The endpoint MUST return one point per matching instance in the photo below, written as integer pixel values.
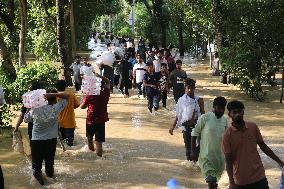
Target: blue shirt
(152, 79)
(45, 120)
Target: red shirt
(97, 107)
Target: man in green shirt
(210, 127)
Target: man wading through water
(97, 116)
(239, 144)
(189, 108)
(176, 80)
(210, 128)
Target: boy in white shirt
(139, 71)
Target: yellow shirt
(67, 115)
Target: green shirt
(211, 159)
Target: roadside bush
(45, 73)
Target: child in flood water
(152, 86)
(45, 132)
(97, 116)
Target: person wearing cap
(176, 80)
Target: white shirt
(87, 70)
(139, 70)
(157, 65)
(216, 64)
(185, 108)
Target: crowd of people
(208, 136)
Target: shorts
(96, 129)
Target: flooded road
(139, 152)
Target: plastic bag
(18, 145)
(34, 99)
(91, 85)
(119, 51)
(108, 58)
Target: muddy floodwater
(139, 152)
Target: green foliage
(142, 21)
(121, 27)
(45, 73)
(7, 110)
(86, 12)
(254, 43)
(41, 38)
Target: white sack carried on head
(95, 54)
(108, 58)
(119, 51)
(34, 99)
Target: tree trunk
(61, 39)
(180, 34)
(216, 16)
(23, 33)
(6, 60)
(72, 28)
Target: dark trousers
(67, 135)
(1, 178)
(262, 184)
(77, 86)
(187, 143)
(116, 80)
(139, 87)
(164, 95)
(153, 101)
(43, 150)
(124, 85)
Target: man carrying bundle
(45, 132)
(97, 115)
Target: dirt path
(146, 156)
